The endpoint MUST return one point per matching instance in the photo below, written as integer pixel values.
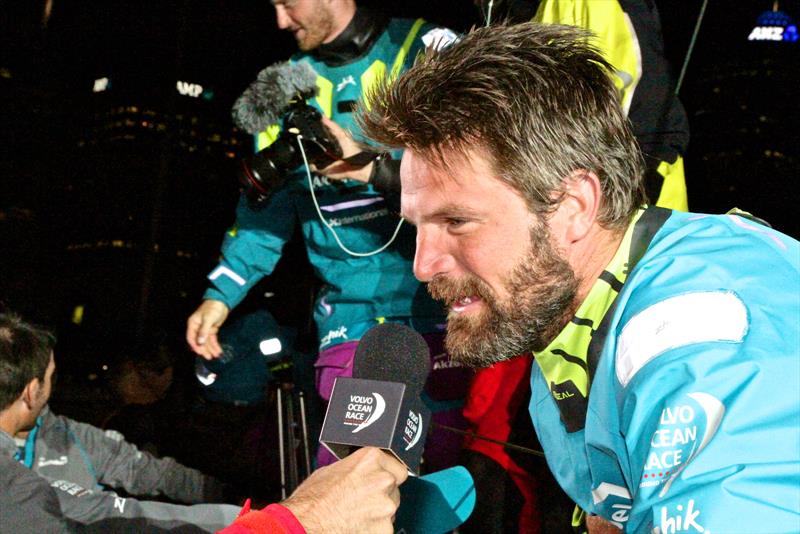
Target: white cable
(329, 225)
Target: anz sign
(774, 26)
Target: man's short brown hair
(536, 99)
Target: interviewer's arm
(355, 495)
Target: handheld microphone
(381, 405)
(270, 96)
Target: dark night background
(114, 203)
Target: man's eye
(456, 223)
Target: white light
(204, 376)
(100, 85)
(270, 346)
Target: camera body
(268, 168)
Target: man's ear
(580, 204)
(31, 393)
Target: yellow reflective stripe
(575, 338)
(578, 518)
(615, 36)
(375, 72)
(673, 193)
(267, 137)
(325, 96)
(401, 55)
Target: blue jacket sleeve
(713, 433)
(253, 246)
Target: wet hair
(25, 352)
(536, 100)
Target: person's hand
(354, 495)
(202, 328)
(341, 170)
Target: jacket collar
(355, 40)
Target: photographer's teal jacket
(358, 291)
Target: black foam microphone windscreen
(380, 406)
(393, 353)
(267, 99)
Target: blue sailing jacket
(671, 402)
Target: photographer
(362, 253)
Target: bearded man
(657, 335)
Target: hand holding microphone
(381, 407)
(357, 494)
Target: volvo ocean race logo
(684, 430)
(363, 410)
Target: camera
(267, 169)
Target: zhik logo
(339, 333)
(681, 521)
(347, 80)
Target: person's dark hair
(536, 100)
(25, 352)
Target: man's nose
(284, 20)
(431, 257)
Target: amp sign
(193, 90)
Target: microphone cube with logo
(376, 413)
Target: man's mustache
(451, 290)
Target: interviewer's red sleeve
(274, 519)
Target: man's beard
(316, 31)
(542, 289)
